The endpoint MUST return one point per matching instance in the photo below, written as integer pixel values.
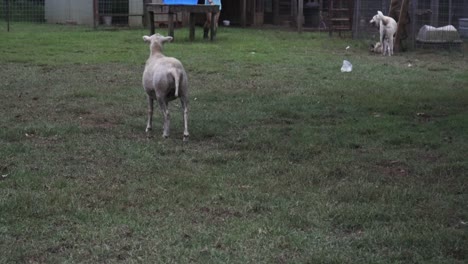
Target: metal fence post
(7, 14)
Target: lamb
(164, 79)
(378, 47)
(387, 29)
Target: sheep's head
(376, 19)
(157, 41)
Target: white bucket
(107, 20)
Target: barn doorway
(113, 12)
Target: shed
(93, 12)
(276, 12)
(69, 11)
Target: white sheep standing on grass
(164, 79)
(387, 29)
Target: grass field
(289, 160)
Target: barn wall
(135, 9)
(69, 11)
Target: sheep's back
(157, 75)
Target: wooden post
(192, 26)
(357, 19)
(401, 24)
(435, 13)
(450, 13)
(254, 13)
(151, 21)
(7, 14)
(95, 13)
(212, 26)
(244, 13)
(414, 7)
(300, 15)
(276, 12)
(171, 24)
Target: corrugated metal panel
(66, 11)
(81, 12)
(136, 13)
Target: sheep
(387, 29)
(378, 47)
(164, 79)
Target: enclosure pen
(289, 159)
(84, 12)
(12, 11)
(424, 22)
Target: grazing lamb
(387, 29)
(164, 79)
(378, 47)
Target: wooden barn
(301, 14)
(274, 12)
(336, 15)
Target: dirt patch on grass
(394, 168)
(98, 120)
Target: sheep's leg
(385, 47)
(184, 103)
(165, 111)
(149, 125)
(382, 37)
(390, 44)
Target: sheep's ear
(167, 39)
(146, 39)
(380, 13)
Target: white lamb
(164, 79)
(387, 29)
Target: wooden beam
(95, 13)
(276, 12)
(356, 18)
(450, 13)
(244, 13)
(254, 13)
(435, 13)
(414, 6)
(300, 15)
(401, 24)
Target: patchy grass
(289, 160)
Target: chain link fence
(83, 12)
(22, 11)
(429, 23)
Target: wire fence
(427, 23)
(22, 11)
(85, 12)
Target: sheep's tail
(176, 82)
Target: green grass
(289, 160)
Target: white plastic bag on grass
(347, 66)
